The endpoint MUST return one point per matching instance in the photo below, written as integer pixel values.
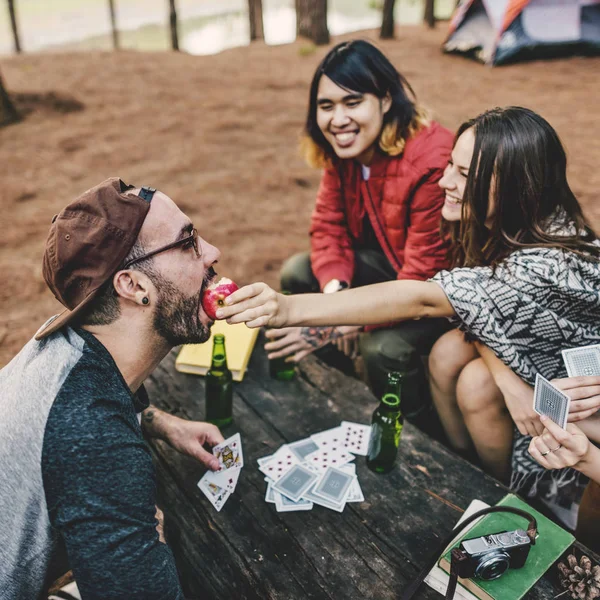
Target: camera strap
(414, 586)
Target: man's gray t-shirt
(78, 485)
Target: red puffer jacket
(403, 201)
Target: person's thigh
(296, 275)
(297, 278)
(400, 349)
(371, 266)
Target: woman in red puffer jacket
(378, 211)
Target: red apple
(214, 296)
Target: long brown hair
(361, 67)
(518, 161)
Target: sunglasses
(190, 241)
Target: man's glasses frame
(190, 239)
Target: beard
(177, 317)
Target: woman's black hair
(358, 66)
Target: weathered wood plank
(248, 550)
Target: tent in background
(500, 31)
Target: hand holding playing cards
(558, 448)
(584, 393)
(189, 437)
(517, 395)
(257, 305)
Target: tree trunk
(387, 22)
(113, 24)
(255, 14)
(311, 20)
(13, 24)
(8, 112)
(429, 16)
(173, 21)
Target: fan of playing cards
(317, 470)
(217, 486)
(548, 399)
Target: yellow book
(239, 342)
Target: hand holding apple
(257, 305)
(214, 296)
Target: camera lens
(492, 565)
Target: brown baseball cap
(88, 240)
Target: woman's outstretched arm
(258, 305)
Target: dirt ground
(219, 135)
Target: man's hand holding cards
(218, 485)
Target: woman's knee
(476, 391)
(296, 275)
(386, 349)
(449, 355)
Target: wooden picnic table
(249, 550)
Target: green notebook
(552, 541)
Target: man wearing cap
(78, 485)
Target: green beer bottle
(386, 427)
(279, 368)
(219, 386)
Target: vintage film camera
(489, 556)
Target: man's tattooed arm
(148, 415)
(155, 422)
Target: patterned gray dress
(536, 303)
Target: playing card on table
(230, 453)
(583, 361)
(270, 494)
(355, 494)
(355, 437)
(303, 447)
(309, 495)
(279, 464)
(334, 485)
(550, 401)
(322, 459)
(285, 504)
(330, 439)
(216, 494)
(348, 468)
(295, 482)
(226, 479)
(261, 461)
